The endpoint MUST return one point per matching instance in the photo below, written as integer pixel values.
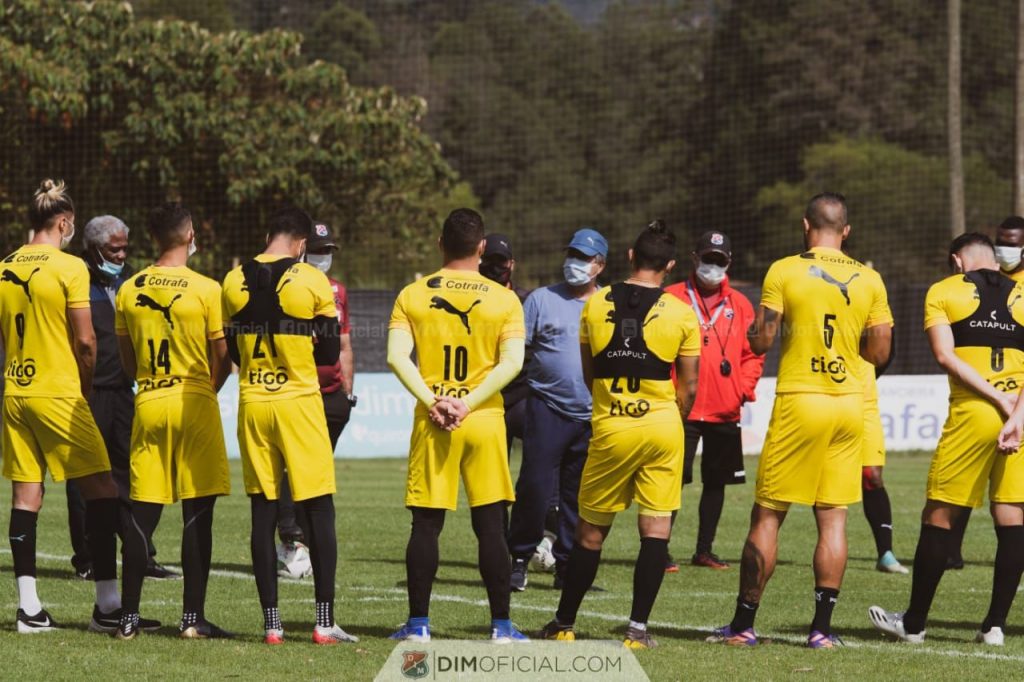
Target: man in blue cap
(557, 428)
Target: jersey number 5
(828, 331)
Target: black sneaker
(204, 629)
(158, 572)
(518, 580)
(41, 622)
(128, 628)
(954, 563)
(84, 573)
(107, 623)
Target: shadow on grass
(444, 563)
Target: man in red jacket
(729, 371)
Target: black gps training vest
(263, 313)
(991, 325)
(626, 354)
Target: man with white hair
(105, 250)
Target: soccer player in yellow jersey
(47, 425)
(282, 323)
(823, 302)
(468, 334)
(170, 331)
(630, 337)
(975, 325)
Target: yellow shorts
(55, 434)
(812, 454)
(477, 451)
(967, 458)
(873, 440)
(286, 434)
(178, 449)
(644, 463)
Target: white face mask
(577, 272)
(1008, 257)
(192, 247)
(321, 262)
(710, 275)
(66, 239)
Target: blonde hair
(50, 200)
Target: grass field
(373, 528)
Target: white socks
(642, 627)
(28, 600)
(107, 596)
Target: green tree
(346, 37)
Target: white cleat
(332, 635)
(891, 623)
(994, 637)
(888, 563)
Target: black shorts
(721, 461)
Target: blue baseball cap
(589, 242)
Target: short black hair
(462, 233)
(167, 224)
(50, 200)
(654, 248)
(827, 211)
(290, 220)
(1013, 222)
(969, 239)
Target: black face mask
(498, 272)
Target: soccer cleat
(204, 629)
(887, 563)
(106, 623)
(670, 565)
(41, 622)
(638, 639)
(413, 630)
(274, 636)
(819, 640)
(891, 623)
(84, 573)
(504, 632)
(955, 563)
(994, 637)
(332, 635)
(517, 580)
(709, 560)
(158, 572)
(726, 635)
(558, 632)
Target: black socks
(264, 553)
(709, 512)
(579, 576)
(196, 554)
(22, 533)
(1006, 576)
(421, 558)
(142, 521)
(743, 617)
(323, 545)
(878, 512)
(101, 524)
(492, 556)
(648, 573)
(929, 564)
(824, 602)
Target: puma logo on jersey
(12, 277)
(144, 301)
(844, 287)
(438, 303)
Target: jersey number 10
(460, 366)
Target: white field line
(399, 594)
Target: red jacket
(719, 398)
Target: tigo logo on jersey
(21, 373)
(270, 379)
(835, 369)
(414, 664)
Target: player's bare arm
(84, 345)
(762, 333)
(127, 352)
(687, 370)
(940, 338)
(347, 359)
(876, 344)
(220, 362)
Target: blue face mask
(577, 272)
(106, 267)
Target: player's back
(826, 300)
(270, 304)
(458, 319)
(633, 351)
(38, 283)
(170, 314)
(985, 310)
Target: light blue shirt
(552, 316)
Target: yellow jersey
(1016, 276)
(826, 299)
(270, 304)
(865, 373)
(38, 283)
(458, 319)
(635, 335)
(986, 313)
(170, 314)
